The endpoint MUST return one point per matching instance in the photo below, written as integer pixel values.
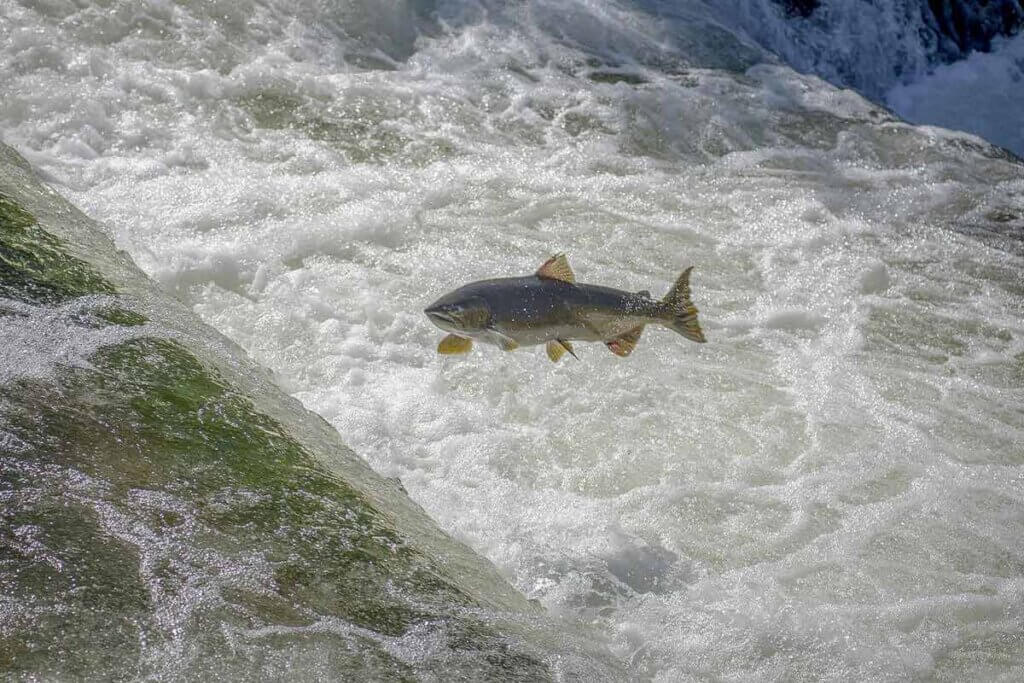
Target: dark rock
(970, 25)
(961, 26)
(799, 8)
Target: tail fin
(684, 313)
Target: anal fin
(624, 345)
(454, 344)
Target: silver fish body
(532, 310)
(549, 307)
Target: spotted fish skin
(550, 307)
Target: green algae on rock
(34, 266)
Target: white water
(831, 487)
(889, 52)
(983, 94)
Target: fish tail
(683, 312)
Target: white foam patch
(37, 341)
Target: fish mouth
(439, 316)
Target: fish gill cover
(156, 523)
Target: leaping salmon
(551, 308)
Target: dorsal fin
(556, 268)
(624, 345)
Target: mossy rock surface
(34, 266)
(173, 455)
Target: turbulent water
(993, 107)
(830, 488)
(920, 58)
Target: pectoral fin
(557, 348)
(624, 345)
(453, 344)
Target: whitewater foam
(36, 341)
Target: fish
(551, 308)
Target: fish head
(460, 312)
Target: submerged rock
(166, 512)
(961, 26)
(972, 24)
(800, 8)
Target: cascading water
(830, 488)
(921, 58)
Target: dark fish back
(526, 300)
(532, 300)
